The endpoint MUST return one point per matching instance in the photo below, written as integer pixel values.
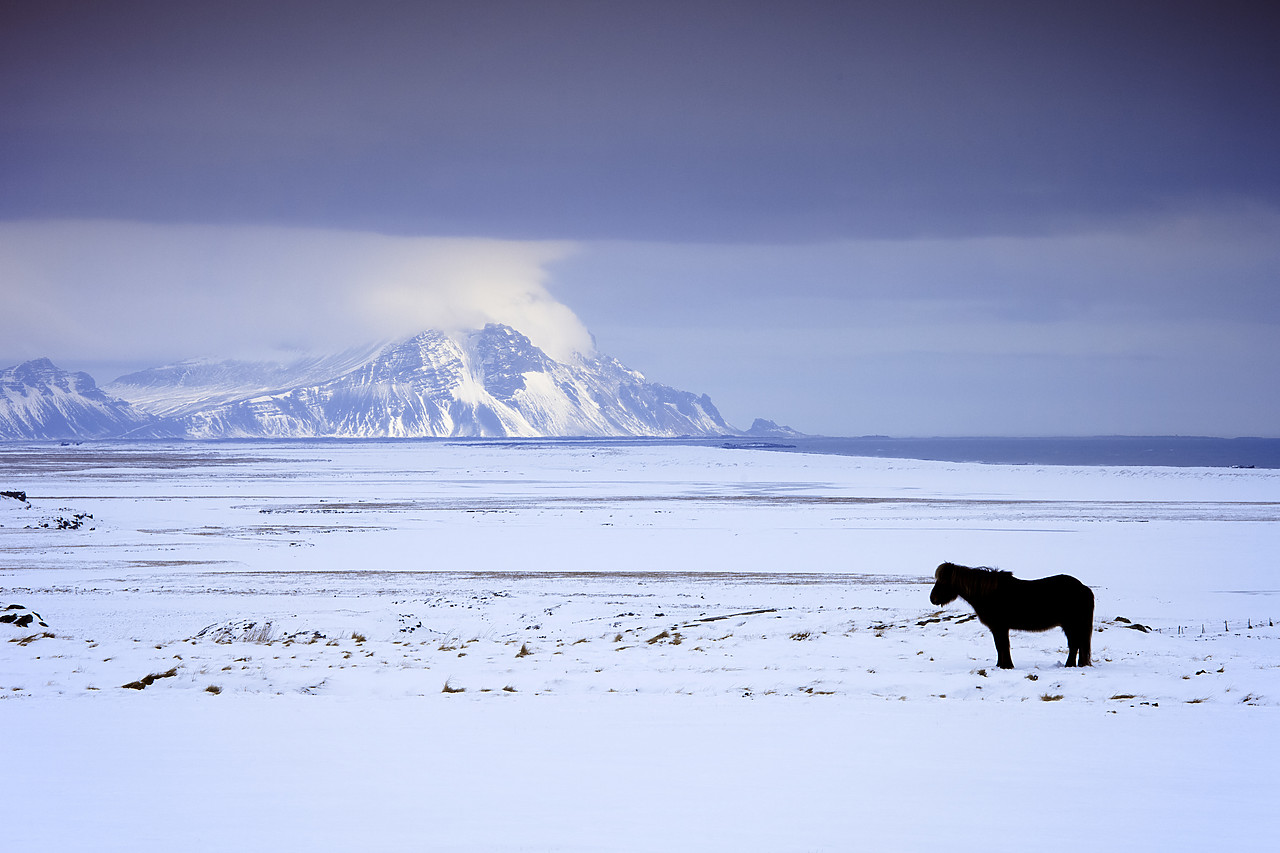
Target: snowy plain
(555, 645)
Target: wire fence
(1228, 627)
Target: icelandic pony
(1002, 602)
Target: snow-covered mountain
(40, 401)
(763, 428)
(489, 382)
(178, 390)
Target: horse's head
(943, 592)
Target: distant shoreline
(1125, 451)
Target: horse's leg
(1073, 644)
(1078, 644)
(1003, 658)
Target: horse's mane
(977, 582)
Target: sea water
(1170, 451)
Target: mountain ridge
(40, 401)
(489, 382)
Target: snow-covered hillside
(177, 390)
(40, 401)
(489, 382)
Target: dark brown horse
(1003, 602)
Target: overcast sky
(913, 218)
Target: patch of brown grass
(25, 641)
(148, 680)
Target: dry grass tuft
(148, 680)
(263, 633)
(24, 641)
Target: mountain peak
(42, 374)
(39, 400)
(491, 381)
(503, 357)
(767, 428)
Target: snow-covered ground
(578, 646)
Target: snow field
(578, 646)
(713, 637)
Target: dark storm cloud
(1219, 265)
(904, 217)
(681, 121)
(1168, 327)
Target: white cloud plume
(89, 291)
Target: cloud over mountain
(138, 293)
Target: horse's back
(1069, 587)
(1037, 605)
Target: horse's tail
(1085, 653)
